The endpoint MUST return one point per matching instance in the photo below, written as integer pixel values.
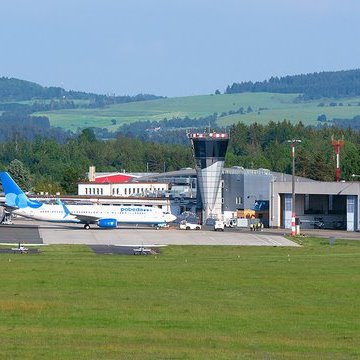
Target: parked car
(189, 226)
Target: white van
(219, 225)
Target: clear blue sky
(174, 47)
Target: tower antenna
(337, 144)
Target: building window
(125, 191)
(238, 200)
(288, 202)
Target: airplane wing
(87, 219)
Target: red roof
(116, 178)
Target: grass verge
(186, 303)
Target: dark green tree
(21, 174)
(71, 177)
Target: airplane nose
(170, 217)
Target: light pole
(293, 226)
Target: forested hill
(329, 84)
(12, 90)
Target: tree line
(326, 84)
(353, 123)
(58, 167)
(15, 125)
(14, 90)
(266, 146)
(167, 131)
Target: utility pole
(293, 226)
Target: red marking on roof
(118, 178)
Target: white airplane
(20, 249)
(105, 216)
(141, 250)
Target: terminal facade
(211, 191)
(328, 205)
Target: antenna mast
(337, 144)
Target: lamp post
(293, 227)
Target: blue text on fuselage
(131, 209)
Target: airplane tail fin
(14, 196)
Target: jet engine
(107, 223)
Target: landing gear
(7, 219)
(86, 226)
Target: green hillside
(265, 107)
(306, 112)
(191, 106)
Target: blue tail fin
(14, 196)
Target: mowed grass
(186, 303)
(266, 107)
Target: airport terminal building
(328, 205)
(210, 191)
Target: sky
(174, 47)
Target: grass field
(186, 303)
(276, 107)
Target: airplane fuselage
(121, 213)
(105, 216)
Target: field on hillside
(307, 113)
(266, 107)
(186, 303)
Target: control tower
(209, 151)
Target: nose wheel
(86, 226)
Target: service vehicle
(184, 225)
(219, 225)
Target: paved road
(60, 234)
(19, 234)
